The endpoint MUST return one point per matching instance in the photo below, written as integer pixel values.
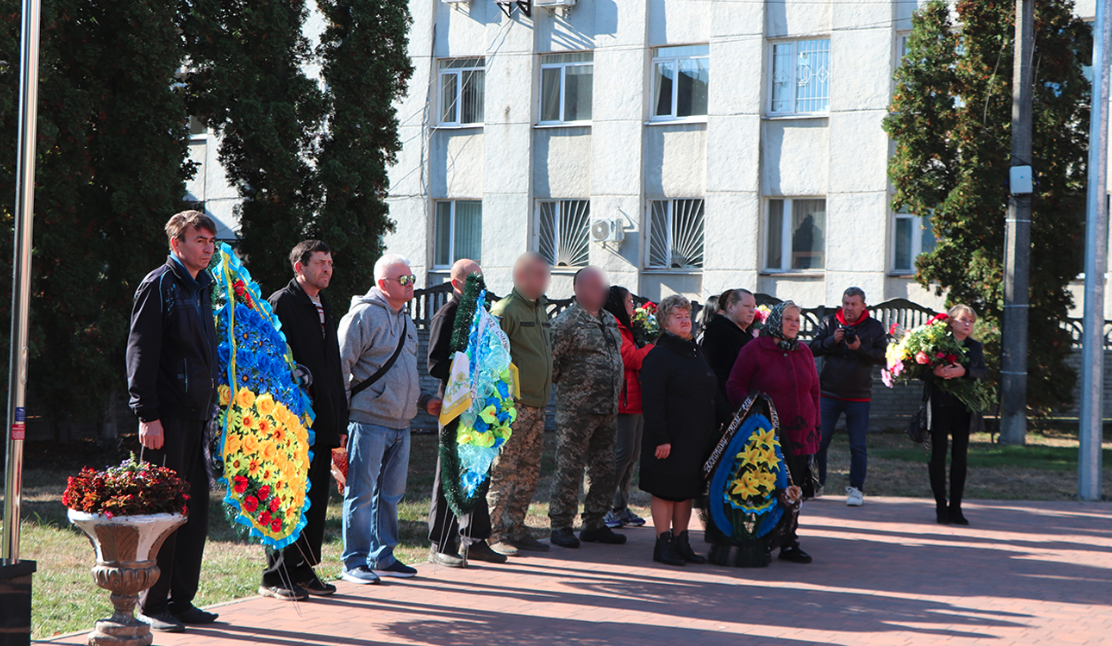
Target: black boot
(956, 517)
(942, 513)
(665, 550)
(683, 547)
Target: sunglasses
(405, 280)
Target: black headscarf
(616, 305)
(774, 327)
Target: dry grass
(65, 598)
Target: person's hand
(839, 334)
(957, 370)
(434, 406)
(150, 434)
(942, 372)
(856, 343)
(663, 451)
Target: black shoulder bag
(381, 372)
(918, 428)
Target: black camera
(851, 334)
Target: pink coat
(792, 382)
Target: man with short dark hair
(172, 369)
(310, 330)
(588, 372)
(851, 343)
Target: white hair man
(378, 360)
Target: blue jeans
(857, 426)
(378, 462)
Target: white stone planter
(126, 549)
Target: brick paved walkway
(1025, 573)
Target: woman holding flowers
(778, 365)
(677, 394)
(951, 417)
(631, 423)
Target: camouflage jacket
(587, 361)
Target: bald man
(454, 540)
(523, 316)
(588, 373)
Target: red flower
(938, 317)
(240, 484)
(940, 355)
(921, 358)
(951, 358)
(274, 503)
(276, 525)
(893, 328)
(264, 493)
(264, 518)
(250, 504)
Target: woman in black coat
(950, 418)
(677, 395)
(725, 336)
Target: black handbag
(917, 428)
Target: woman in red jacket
(778, 365)
(631, 424)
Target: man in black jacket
(310, 331)
(172, 370)
(851, 343)
(448, 533)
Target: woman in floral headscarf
(778, 365)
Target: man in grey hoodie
(378, 358)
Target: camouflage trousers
(514, 474)
(583, 441)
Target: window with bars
(458, 232)
(676, 234)
(911, 235)
(566, 87)
(795, 234)
(681, 79)
(800, 77)
(563, 232)
(461, 91)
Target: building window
(681, 76)
(459, 232)
(901, 46)
(563, 228)
(801, 77)
(795, 234)
(461, 91)
(676, 234)
(566, 87)
(911, 236)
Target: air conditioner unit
(607, 231)
(553, 4)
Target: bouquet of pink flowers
(919, 351)
(761, 317)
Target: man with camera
(850, 343)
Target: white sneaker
(855, 497)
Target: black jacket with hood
(172, 366)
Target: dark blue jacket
(172, 365)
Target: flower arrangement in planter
(127, 512)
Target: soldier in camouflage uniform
(588, 374)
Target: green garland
(450, 471)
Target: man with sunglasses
(378, 361)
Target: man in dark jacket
(851, 343)
(172, 370)
(447, 532)
(310, 331)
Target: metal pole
(1017, 239)
(21, 275)
(1096, 256)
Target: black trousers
(446, 531)
(951, 422)
(179, 560)
(294, 563)
(799, 466)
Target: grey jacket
(369, 334)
